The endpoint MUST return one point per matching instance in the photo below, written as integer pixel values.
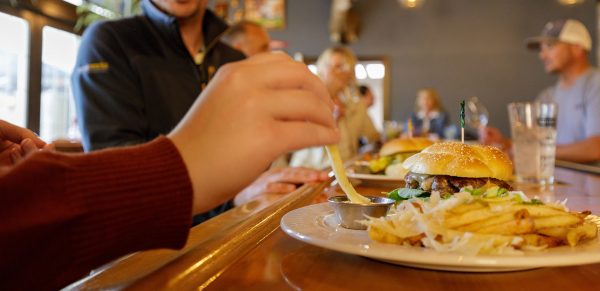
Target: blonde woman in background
(335, 67)
(429, 118)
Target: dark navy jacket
(134, 79)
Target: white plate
(350, 172)
(316, 225)
(369, 177)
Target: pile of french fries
(478, 225)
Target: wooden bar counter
(275, 261)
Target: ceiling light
(411, 4)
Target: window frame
(53, 13)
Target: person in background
(135, 78)
(335, 67)
(64, 215)
(367, 95)
(564, 47)
(248, 37)
(429, 117)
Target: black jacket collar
(213, 27)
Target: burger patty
(448, 184)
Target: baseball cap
(565, 30)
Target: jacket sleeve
(108, 97)
(63, 215)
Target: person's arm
(492, 136)
(63, 215)
(585, 151)
(110, 105)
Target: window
(371, 74)
(14, 63)
(57, 112)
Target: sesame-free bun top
(461, 160)
(404, 145)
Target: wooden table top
(244, 249)
(281, 262)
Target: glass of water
(533, 130)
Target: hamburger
(450, 166)
(394, 152)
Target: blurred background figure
(248, 37)
(335, 67)
(429, 118)
(564, 47)
(366, 95)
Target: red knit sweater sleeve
(63, 215)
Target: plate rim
(429, 258)
(370, 177)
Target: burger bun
(404, 145)
(461, 160)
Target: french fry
(453, 221)
(537, 240)
(474, 227)
(564, 220)
(515, 226)
(557, 232)
(539, 210)
(380, 235)
(582, 232)
(463, 208)
(487, 225)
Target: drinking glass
(476, 115)
(533, 130)
(391, 129)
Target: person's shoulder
(115, 27)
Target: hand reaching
(275, 182)
(16, 143)
(252, 112)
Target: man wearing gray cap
(564, 46)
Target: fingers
(299, 105)
(6, 154)
(17, 134)
(49, 147)
(285, 73)
(280, 188)
(15, 155)
(296, 175)
(269, 57)
(298, 135)
(28, 147)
